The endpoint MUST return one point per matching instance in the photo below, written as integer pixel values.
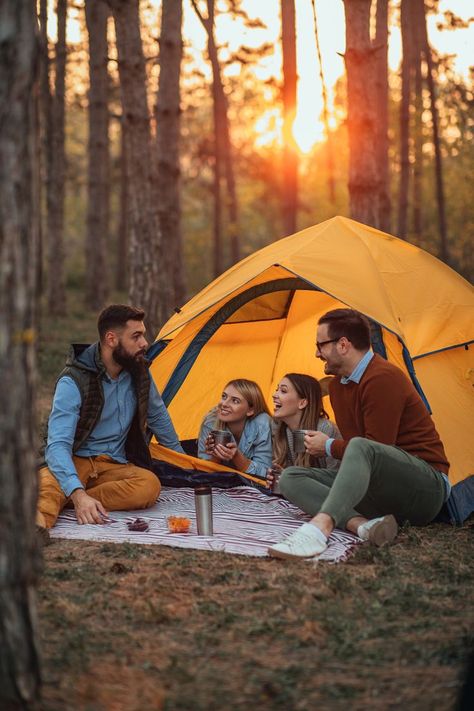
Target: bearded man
(105, 402)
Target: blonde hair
(307, 388)
(251, 392)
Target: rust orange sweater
(385, 407)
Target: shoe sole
(383, 532)
(289, 556)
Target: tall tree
(223, 159)
(46, 131)
(381, 96)
(364, 94)
(427, 53)
(98, 155)
(148, 281)
(329, 142)
(55, 199)
(290, 152)
(417, 190)
(121, 271)
(168, 114)
(406, 20)
(19, 226)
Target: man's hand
(88, 510)
(315, 443)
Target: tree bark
(223, 160)
(361, 118)
(56, 277)
(407, 64)
(381, 90)
(121, 272)
(443, 251)
(329, 142)
(148, 282)
(417, 141)
(290, 153)
(46, 136)
(96, 291)
(168, 114)
(19, 228)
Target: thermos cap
(202, 490)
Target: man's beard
(132, 363)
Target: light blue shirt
(110, 433)
(255, 443)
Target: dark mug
(298, 441)
(221, 436)
(276, 471)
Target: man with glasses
(393, 465)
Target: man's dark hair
(116, 316)
(349, 323)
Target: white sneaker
(306, 542)
(379, 531)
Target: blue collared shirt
(110, 433)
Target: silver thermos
(203, 503)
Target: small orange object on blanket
(178, 524)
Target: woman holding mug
(298, 405)
(243, 413)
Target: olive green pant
(373, 480)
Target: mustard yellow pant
(116, 486)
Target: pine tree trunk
(46, 131)
(290, 154)
(407, 63)
(19, 228)
(329, 142)
(121, 271)
(223, 161)
(381, 87)
(443, 251)
(168, 114)
(98, 154)
(418, 147)
(361, 116)
(148, 281)
(56, 277)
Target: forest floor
(131, 627)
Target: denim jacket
(255, 443)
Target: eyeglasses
(324, 343)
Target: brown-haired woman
(298, 405)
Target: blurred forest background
(175, 138)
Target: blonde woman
(298, 405)
(243, 412)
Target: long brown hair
(307, 388)
(252, 393)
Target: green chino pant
(373, 480)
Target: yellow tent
(258, 321)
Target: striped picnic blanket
(245, 522)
